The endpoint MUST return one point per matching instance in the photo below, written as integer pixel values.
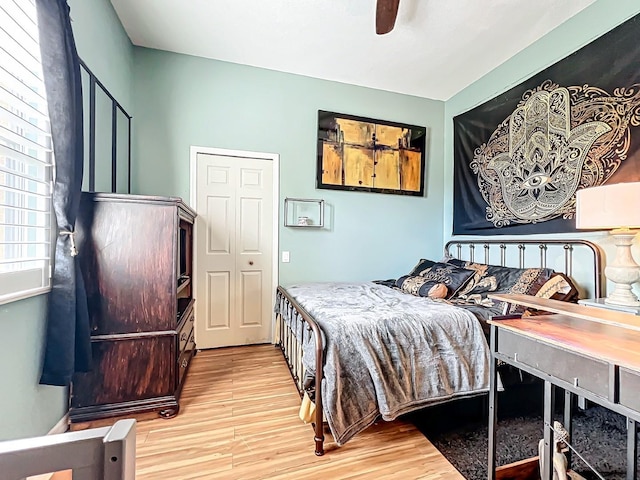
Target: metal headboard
(469, 250)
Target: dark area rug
(459, 431)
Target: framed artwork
(363, 154)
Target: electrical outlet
(285, 257)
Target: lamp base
(622, 295)
(623, 271)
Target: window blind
(26, 156)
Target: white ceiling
(438, 47)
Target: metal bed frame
(465, 249)
(568, 246)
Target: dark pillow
(558, 287)
(498, 279)
(422, 266)
(452, 276)
(420, 286)
(479, 283)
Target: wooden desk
(586, 351)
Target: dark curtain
(68, 347)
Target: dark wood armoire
(136, 257)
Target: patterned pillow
(498, 279)
(452, 276)
(558, 287)
(421, 287)
(422, 266)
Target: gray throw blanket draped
(388, 353)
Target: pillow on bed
(558, 287)
(452, 276)
(421, 287)
(422, 266)
(498, 279)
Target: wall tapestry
(520, 157)
(357, 153)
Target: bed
(362, 351)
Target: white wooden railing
(107, 453)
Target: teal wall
(182, 101)
(27, 408)
(576, 32)
(30, 409)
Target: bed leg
(319, 438)
(318, 426)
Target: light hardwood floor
(238, 420)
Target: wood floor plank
(239, 420)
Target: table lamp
(614, 207)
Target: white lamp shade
(609, 206)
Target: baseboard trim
(61, 427)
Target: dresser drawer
(185, 357)
(584, 372)
(146, 375)
(184, 332)
(629, 388)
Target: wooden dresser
(135, 254)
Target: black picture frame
(369, 155)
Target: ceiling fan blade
(386, 13)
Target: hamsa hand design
(540, 172)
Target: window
(26, 157)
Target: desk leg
(569, 406)
(493, 405)
(632, 449)
(549, 400)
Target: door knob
(250, 262)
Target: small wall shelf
(303, 213)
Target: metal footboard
(290, 342)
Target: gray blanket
(388, 353)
